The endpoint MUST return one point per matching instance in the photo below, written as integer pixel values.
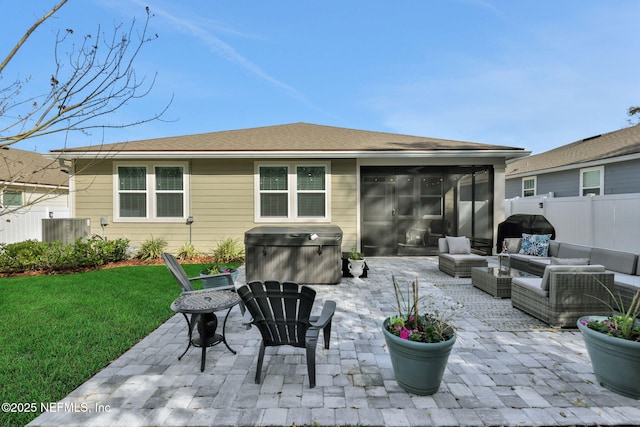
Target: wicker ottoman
(459, 265)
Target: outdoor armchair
(185, 281)
(282, 313)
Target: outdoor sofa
(455, 257)
(623, 267)
(564, 294)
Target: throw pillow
(513, 244)
(569, 261)
(458, 245)
(535, 244)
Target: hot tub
(303, 254)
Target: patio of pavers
(506, 369)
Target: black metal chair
(210, 320)
(282, 313)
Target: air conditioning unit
(65, 230)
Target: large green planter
(615, 361)
(418, 367)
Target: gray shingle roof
(27, 167)
(291, 137)
(613, 144)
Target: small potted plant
(613, 344)
(419, 344)
(356, 263)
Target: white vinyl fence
(26, 224)
(610, 221)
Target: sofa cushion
(570, 250)
(535, 244)
(463, 258)
(458, 245)
(569, 269)
(570, 261)
(531, 283)
(554, 246)
(443, 248)
(623, 279)
(622, 262)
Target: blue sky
(534, 74)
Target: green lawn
(58, 331)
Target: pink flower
(405, 334)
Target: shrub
(32, 255)
(21, 256)
(188, 251)
(152, 248)
(228, 250)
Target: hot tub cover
(311, 235)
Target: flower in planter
(409, 324)
(622, 322)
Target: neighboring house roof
(600, 148)
(300, 138)
(22, 167)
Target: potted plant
(613, 344)
(419, 344)
(356, 263)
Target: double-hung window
(592, 181)
(529, 186)
(292, 192)
(150, 192)
(169, 191)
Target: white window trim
(535, 185)
(292, 207)
(151, 192)
(600, 185)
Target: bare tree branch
(93, 76)
(30, 31)
(91, 80)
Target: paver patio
(506, 369)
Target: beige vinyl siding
(344, 199)
(93, 191)
(221, 200)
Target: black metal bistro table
(203, 304)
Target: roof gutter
(588, 164)
(508, 154)
(33, 185)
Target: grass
(58, 331)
